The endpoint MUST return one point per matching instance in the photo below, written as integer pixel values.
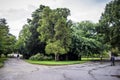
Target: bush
(115, 51)
(3, 56)
(37, 57)
(47, 58)
(40, 57)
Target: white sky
(17, 11)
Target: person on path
(17, 56)
(112, 60)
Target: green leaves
(29, 42)
(55, 48)
(49, 31)
(84, 39)
(55, 31)
(7, 40)
(110, 23)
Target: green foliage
(40, 57)
(55, 31)
(28, 42)
(55, 48)
(85, 40)
(7, 40)
(37, 57)
(23, 38)
(115, 51)
(110, 24)
(50, 32)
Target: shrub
(115, 51)
(40, 57)
(37, 57)
(47, 57)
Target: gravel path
(19, 70)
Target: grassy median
(58, 63)
(54, 63)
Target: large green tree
(110, 24)
(7, 40)
(55, 31)
(33, 44)
(21, 42)
(84, 39)
(9, 44)
(29, 43)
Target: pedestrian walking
(17, 56)
(112, 60)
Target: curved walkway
(19, 70)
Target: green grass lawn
(92, 59)
(2, 61)
(54, 63)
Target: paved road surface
(19, 70)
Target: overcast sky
(17, 11)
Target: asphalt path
(20, 70)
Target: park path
(20, 70)
(15, 68)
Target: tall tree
(29, 43)
(9, 44)
(7, 40)
(3, 34)
(110, 24)
(34, 44)
(21, 42)
(55, 31)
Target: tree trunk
(56, 57)
(80, 57)
(66, 57)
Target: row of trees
(7, 40)
(49, 32)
